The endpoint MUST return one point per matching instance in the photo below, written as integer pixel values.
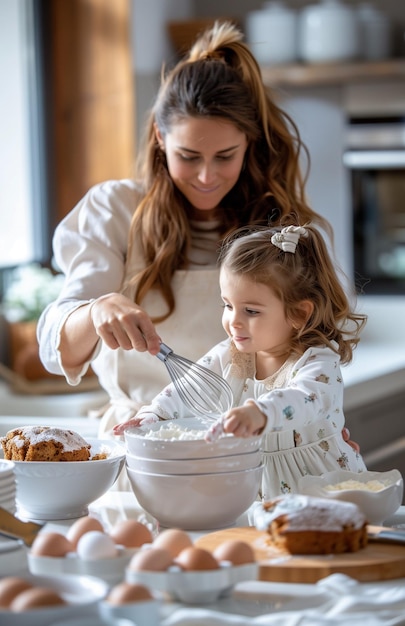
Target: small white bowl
(138, 444)
(375, 505)
(63, 490)
(229, 463)
(82, 595)
(196, 501)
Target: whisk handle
(164, 352)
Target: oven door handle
(374, 159)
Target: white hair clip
(288, 238)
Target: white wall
(152, 47)
(151, 42)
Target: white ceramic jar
(374, 33)
(328, 31)
(271, 33)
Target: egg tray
(189, 587)
(82, 596)
(110, 570)
(196, 587)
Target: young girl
(289, 326)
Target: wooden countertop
(319, 74)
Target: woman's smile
(204, 157)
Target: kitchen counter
(261, 602)
(378, 366)
(49, 405)
(378, 370)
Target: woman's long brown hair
(219, 78)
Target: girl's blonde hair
(219, 78)
(306, 275)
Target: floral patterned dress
(303, 402)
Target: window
(23, 212)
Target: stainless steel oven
(375, 158)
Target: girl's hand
(244, 421)
(119, 429)
(121, 323)
(346, 437)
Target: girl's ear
(307, 307)
(159, 137)
(304, 311)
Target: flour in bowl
(172, 432)
(370, 485)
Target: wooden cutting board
(378, 561)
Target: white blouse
(90, 248)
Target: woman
(140, 258)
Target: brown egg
(51, 544)
(237, 552)
(124, 593)
(82, 526)
(10, 587)
(151, 559)
(34, 598)
(173, 540)
(193, 559)
(131, 534)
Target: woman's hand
(114, 318)
(121, 323)
(244, 421)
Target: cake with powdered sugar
(44, 443)
(300, 524)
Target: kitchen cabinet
(90, 96)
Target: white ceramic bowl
(231, 463)
(196, 501)
(81, 593)
(140, 445)
(376, 505)
(50, 491)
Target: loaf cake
(44, 443)
(299, 524)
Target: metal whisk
(202, 391)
